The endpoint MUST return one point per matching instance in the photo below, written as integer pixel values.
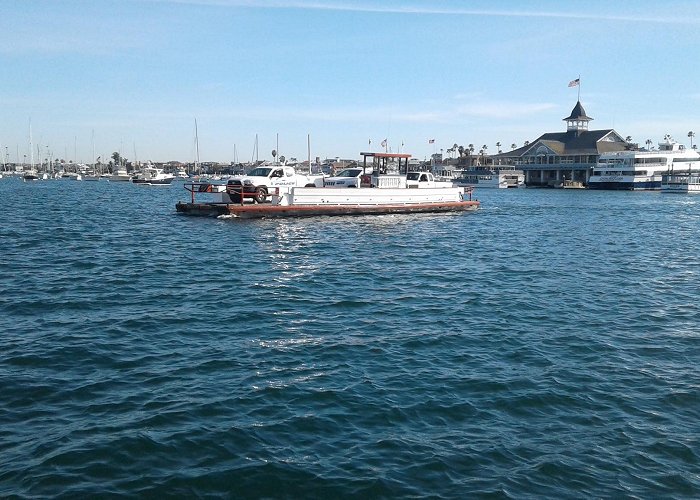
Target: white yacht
(642, 170)
(152, 176)
(120, 175)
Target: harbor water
(547, 345)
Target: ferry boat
(381, 192)
(642, 170)
(507, 177)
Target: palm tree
(648, 143)
(498, 146)
(527, 143)
(691, 134)
(513, 146)
(628, 138)
(483, 154)
(461, 151)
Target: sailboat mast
(308, 149)
(31, 147)
(196, 147)
(254, 157)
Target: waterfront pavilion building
(570, 155)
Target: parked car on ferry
(348, 178)
(424, 180)
(261, 182)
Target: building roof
(572, 142)
(578, 113)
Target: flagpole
(579, 89)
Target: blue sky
(139, 72)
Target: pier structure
(555, 157)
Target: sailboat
(197, 168)
(31, 174)
(92, 175)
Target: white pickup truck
(261, 182)
(424, 180)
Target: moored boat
(680, 182)
(380, 192)
(569, 184)
(152, 176)
(642, 170)
(120, 174)
(497, 177)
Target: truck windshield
(350, 172)
(260, 172)
(412, 176)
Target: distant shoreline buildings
(549, 160)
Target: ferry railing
(468, 191)
(200, 187)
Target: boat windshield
(349, 172)
(260, 172)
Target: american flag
(384, 143)
(574, 83)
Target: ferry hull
(258, 211)
(626, 186)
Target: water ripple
(545, 346)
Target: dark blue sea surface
(546, 346)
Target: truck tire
(310, 186)
(260, 194)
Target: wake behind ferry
(642, 170)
